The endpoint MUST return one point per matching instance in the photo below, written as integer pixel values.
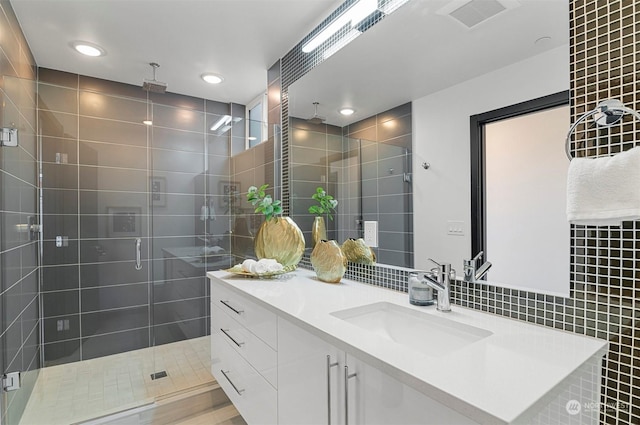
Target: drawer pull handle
(231, 382)
(329, 366)
(226, 332)
(226, 304)
(347, 376)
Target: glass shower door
(190, 229)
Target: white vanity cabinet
(310, 373)
(243, 355)
(285, 351)
(315, 380)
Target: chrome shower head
(315, 119)
(154, 85)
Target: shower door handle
(138, 254)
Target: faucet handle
(477, 257)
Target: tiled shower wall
(109, 179)
(605, 261)
(19, 271)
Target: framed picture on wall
(230, 191)
(158, 189)
(124, 221)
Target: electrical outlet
(371, 233)
(455, 228)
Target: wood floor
(220, 415)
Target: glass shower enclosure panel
(190, 224)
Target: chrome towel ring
(608, 113)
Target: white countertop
(495, 379)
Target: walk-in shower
(113, 308)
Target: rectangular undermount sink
(430, 334)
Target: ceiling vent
(473, 12)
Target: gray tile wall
(100, 162)
(19, 268)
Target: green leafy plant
(327, 203)
(264, 203)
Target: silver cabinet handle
(346, 393)
(329, 366)
(226, 332)
(138, 256)
(226, 304)
(231, 382)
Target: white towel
(604, 191)
(204, 213)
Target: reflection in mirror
(478, 69)
(366, 166)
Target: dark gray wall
(19, 326)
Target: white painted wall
(441, 137)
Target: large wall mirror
(442, 71)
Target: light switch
(455, 228)
(371, 233)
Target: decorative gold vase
(281, 239)
(328, 261)
(356, 251)
(318, 230)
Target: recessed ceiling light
(88, 49)
(542, 40)
(212, 78)
(347, 111)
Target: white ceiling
(411, 53)
(417, 51)
(239, 39)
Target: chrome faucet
(444, 274)
(471, 274)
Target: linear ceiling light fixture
(353, 15)
(224, 120)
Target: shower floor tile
(75, 392)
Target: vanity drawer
(255, 351)
(255, 318)
(251, 394)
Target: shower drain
(158, 375)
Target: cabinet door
(377, 398)
(309, 385)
